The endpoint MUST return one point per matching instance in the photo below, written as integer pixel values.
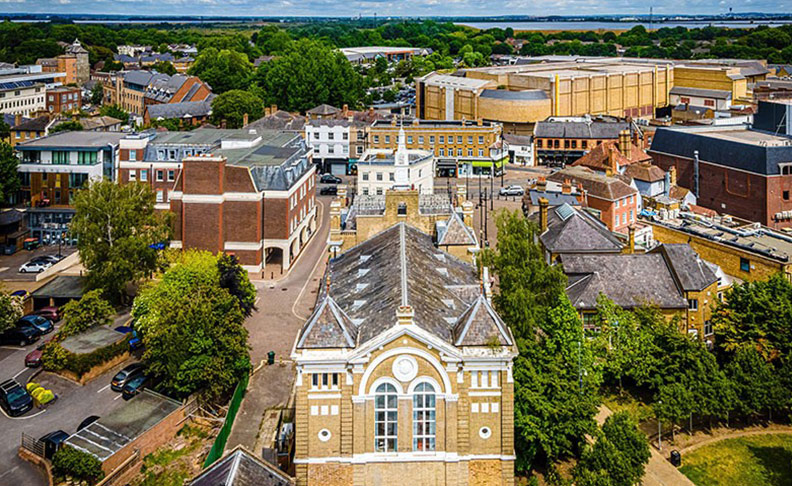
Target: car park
(34, 267)
(41, 324)
(53, 442)
(125, 375)
(328, 191)
(330, 179)
(511, 191)
(51, 312)
(88, 421)
(135, 386)
(14, 399)
(21, 336)
(33, 358)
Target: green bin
(271, 357)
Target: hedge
(56, 358)
(69, 461)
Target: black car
(40, 323)
(14, 399)
(328, 191)
(52, 442)
(20, 336)
(330, 179)
(124, 376)
(135, 386)
(88, 421)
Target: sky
(384, 8)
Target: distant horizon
(407, 9)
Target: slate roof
(97, 122)
(571, 230)
(400, 266)
(692, 273)
(280, 120)
(187, 109)
(645, 171)
(328, 327)
(456, 232)
(323, 109)
(241, 468)
(573, 129)
(630, 281)
(718, 94)
(517, 139)
(597, 185)
(139, 78)
(554, 198)
(33, 124)
(480, 324)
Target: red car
(51, 313)
(33, 359)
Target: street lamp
(659, 430)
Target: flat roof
(446, 80)
(92, 339)
(379, 50)
(741, 134)
(80, 139)
(112, 432)
(259, 155)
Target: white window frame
(424, 417)
(386, 414)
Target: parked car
(42, 324)
(52, 313)
(33, 358)
(88, 421)
(53, 259)
(14, 399)
(53, 442)
(135, 386)
(330, 179)
(328, 191)
(511, 191)
(34, 267)
(21, 336)
(124, 376)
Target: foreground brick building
(404, 371)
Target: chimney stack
(631, 239)
(543, 204)
(245, 119)
(566, 188)
(541, 184)
(17, 119)
(405, 314)
(273, 109)
(613, 163)
(672, 174)
(345, 110)
(625, 145)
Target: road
(74, 404)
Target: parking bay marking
(103, 388)
(22, 418)
(23, 370)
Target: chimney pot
(543, 204)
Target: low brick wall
(96, 370)
(39, 462)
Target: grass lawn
(758, 460)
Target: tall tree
(97, 94)
(193, 329)
(116, 227)
(9, 177)
(10, 310)
(233, 105)
(757, 386)
(224, 70)
(617, 458)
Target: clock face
(405, 368)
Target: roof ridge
(403, 261)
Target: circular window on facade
(324, 435)
(485, 432)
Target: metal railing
(33, 445)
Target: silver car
(511, 191)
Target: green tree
(9, 177)
(5, 131)
(116, 226)
(529, 287)
(80, 315)
(231, 107)
(193, 329)
(10, 310)
(114, 111)
(67, 126)
(97, 94)
(164, 67)
(308, 75)
(757, 314)
(235, 279)
(617, 458)
(224, 70)
(757, 386)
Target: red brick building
(243, 192)
(64, 99)
(614, 197)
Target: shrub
(80, 315)
(69, 461)
(56, 358)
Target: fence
(33, 445)
(220, 441)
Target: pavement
(283, 306)
(73, 405)
(659, 472)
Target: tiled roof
(33, 125)
(599, 157)
(692, 273)
(328, 327)
(645, 171)
(597, 185)
(480, 324)
(179, 110)
(571, 230)
(280, 120)
(575, 129)
(400, 266)
(323, 109)
(241, 468)
(456, 232)
(630, 281)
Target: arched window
(424, 420)
(386, 410)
